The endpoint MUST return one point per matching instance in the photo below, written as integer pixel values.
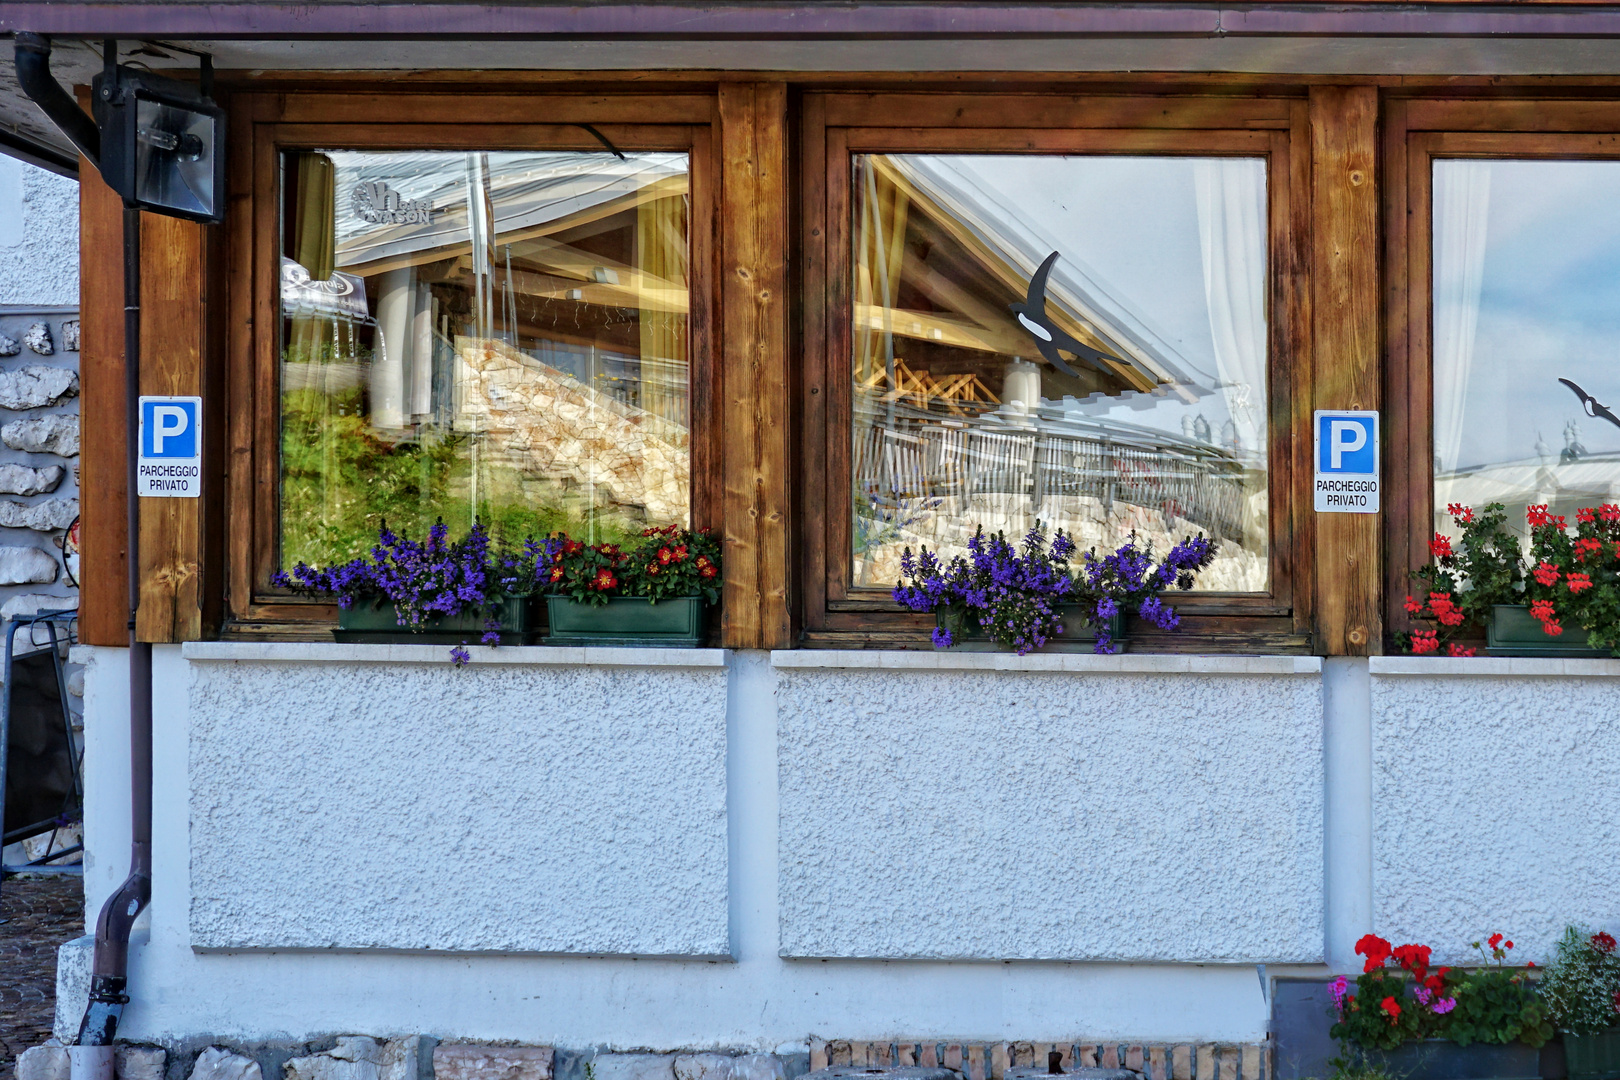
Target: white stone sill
(1493, 666)
(1073, 663)
(482, 655)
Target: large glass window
(1526, 296)
(1076, 339)
(499, 336)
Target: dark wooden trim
(103, 565)
(1344, 133)
(1212, 125)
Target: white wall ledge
(1494, 666)
(482, 655)
(1073, 663)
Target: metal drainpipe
(92, 1056)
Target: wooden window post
(1345, 295)
(754, 374)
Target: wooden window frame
(1416, 131)
(837, 125)
(264, 125)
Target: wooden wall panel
(173, 328)
(1345, 304)
(755, 375)
(103, 600)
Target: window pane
(1133, 399)
(490, 336)
(1526, 293)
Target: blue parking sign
(170, 464)
(1347, 471)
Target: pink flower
(1445, 1005)
(1340, 987)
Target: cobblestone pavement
(36, 915)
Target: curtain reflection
(496, 336)
(960, 421)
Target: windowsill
(1494, 666)
(482, 655)
(1069, 663)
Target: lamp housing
(162, 144)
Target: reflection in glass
(1526, 291)
(961, 421)
(489, 336)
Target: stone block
(24, 480)
(72, 985)
(893, 1072)
(48, 1062)
(633, 1067)
(467, 1061)
(38, 338)
(57, 433)
(355, 1057)
(703, 1067)
(216, 1063)
(1206, 1063)
(409, 1058)
(27, 566)
(47, 516)
(1030, 1072)
(29, 603)
(1181, 1063)
(139, 1062)
(36, 386)
(9, 346)
(70, 335)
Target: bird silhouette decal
(1049, 337)
(1592, 405)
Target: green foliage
(1582, 987)
(660, 563)
(1498, 1005)
(1353, 1065)
(340, 480)
(1382, 1013)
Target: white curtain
(1232, 235)
(1462, 202)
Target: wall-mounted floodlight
(162, 143)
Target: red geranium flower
(1546, 573)
(1375, 949)
(1455, 649)
(1578, 582)
(1603, 941)
(1537, 516)
(1444, 609)
(1392, 1007)
(1585, 516)
(1412, 606)
(1424, 642)
(1440, 546)
(1587, 546)
(1542, 611)
(1494, 940)
(1609, 512)
(1413, 958)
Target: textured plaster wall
(759, 1000)
(1494, 806)
(497, 808)
(39, 236)
(995, 815)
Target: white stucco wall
(39, 236)
(1077, 811)
(1493, 802)
(503, 807)
(757, 999)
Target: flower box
(963, 623)
(1593, 1057)
(627, 620)
(373, 622)
(1442, 1059)
(1510, 631)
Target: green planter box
(1442, 1059)
(964, 626)
(1510, 631)
(1593, 1057)
(627, 620)
(373, 622)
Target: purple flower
(460, 656)
(1340, 987)
(943, 638)
(1444, 1005)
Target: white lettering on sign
(170, 461)
(1347, 465)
